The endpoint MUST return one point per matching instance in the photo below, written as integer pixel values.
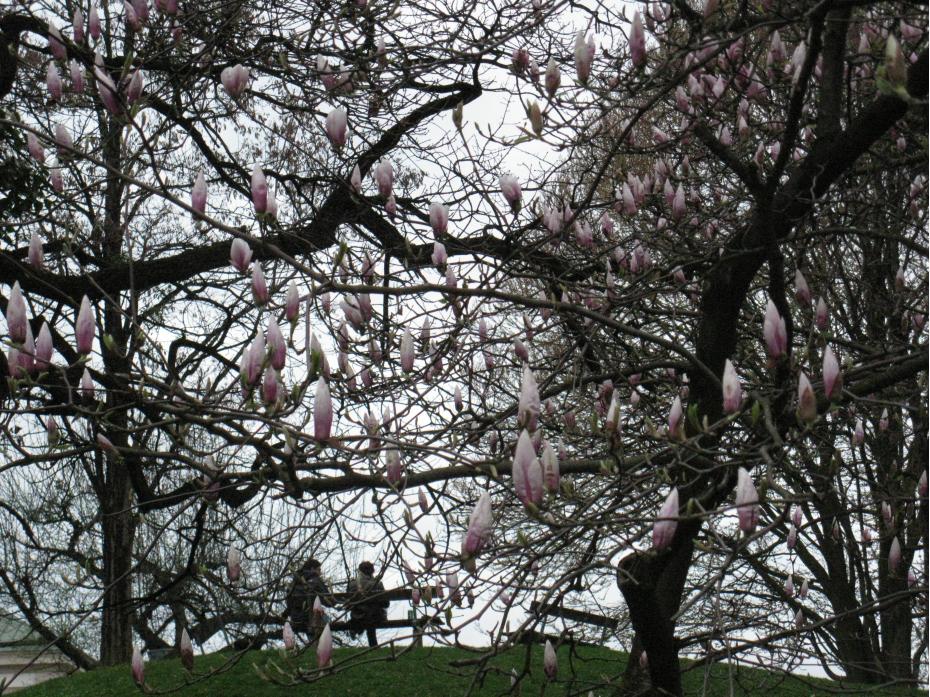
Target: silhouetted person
(308, 585)
(368, 605)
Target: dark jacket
(304, 590)
(368, 606)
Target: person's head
(367, 568)
(311, 566)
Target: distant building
(21, 651)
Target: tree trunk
(119, 530)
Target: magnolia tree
(584, 306)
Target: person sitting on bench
(368, 605)
(308, 585)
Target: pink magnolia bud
(43, 349)
(521, 351)
(774, 332)
(390, 206)
(895, 65)
(259, 190)
(240, 255)
(107, 90)
(85, 328)
(802, 593)
(792, 538)
(637, 41)
(384, 177)
(676, 420)
(510, 187)
(199, 194)
(553, 78)
(746, 502)
(77, 26)
(235, 79)
(807, 402)
(796, 516)
(894, 555)
(336, 128)
(801, 290)
(17, 319)
(168, 7)
(422, 501)
(137, 667)
(527, 472)
(355, 180)
(27, 352)
(584, 236)
(550, 661)
(520, 61)
(87, 385)
(789, 586)
(584, 56)
(479, 527)
(53, 82)
(629, 203)
(528, 406)
(911, 578)
(663, 530)
(742, 128)
(287, 634)
(644, 660)
(821, 318)
(439, 256)
(832, 377)
(883, 421)
(35, 148)
(77, 76)
(406, 351)
(271, 209)
(132, 19)
(317, 607)
(866, 536)
(732, 389)
(457, 399)
(438, 218)
(292, 303)
(259, 287)
(63, 142)
(922, 485)
(141, 8)
(394, 468)
(135, 87)
(233, 564)
(322, 412)
(612, 424)
(887, 514)
(55, 43)
(797, 61)
(858, 434)
(550, 467)
(324, 647)
(93, 23)
(186, 649)
(679, 209)
(415, 596)
(277, 347)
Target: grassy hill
(422, 672)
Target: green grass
(423, 672)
